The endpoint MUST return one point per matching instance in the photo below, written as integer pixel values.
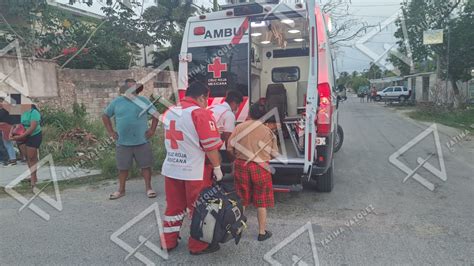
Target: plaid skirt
(253, 183)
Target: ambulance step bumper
(288, 189)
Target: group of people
(370, 95)
(196, 140)
(25, 131)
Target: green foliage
(359, 82)
(166, 23)
(57, 122)
(160, 106)
(461, 55)
(456, 19)
(79, 110)
(63, 121)
(353, 81)
(463, 119)
(344, 79)
(45, 32)
(374, 72)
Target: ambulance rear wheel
(321, 183)
(325, 182)
(339, 138)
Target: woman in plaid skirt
(253, 145)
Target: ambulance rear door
(311, 92)
(218, 55)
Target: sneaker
(10, 163)
(264, 237)
(208, 250)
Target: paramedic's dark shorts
(253, 183)
(33, 141)
(126, 154)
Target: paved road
(409, 225)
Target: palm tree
(166, 22)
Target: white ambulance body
(277, 54)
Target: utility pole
(215, 6)
(447, 62)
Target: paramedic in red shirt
(192, 157)
(224, 114)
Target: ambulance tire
(321, 183)
(339, 138)
(325, 182)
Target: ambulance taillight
(323, 121)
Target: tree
(374, 72)
(344, 78)
(461, 52)
(165, 23)
(16, 19)
(402, 66)
(47, 32)
(357, 82)
(422, 15)
(345, 27)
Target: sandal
(116, 195)
(151, 194)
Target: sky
(347, 58)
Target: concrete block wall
(97, 88)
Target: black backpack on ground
(218, 215)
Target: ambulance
(277, 54)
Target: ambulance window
(220, 67)
(285, 74)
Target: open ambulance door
(311, 92)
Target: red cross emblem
(217, 68)
(173, 135)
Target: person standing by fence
(132, 134)
(5, 128)
(29, 140)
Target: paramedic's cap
(197, 89)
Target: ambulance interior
(279, 60)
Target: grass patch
(462, 119)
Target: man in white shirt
(224, 114)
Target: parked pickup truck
(399, 93)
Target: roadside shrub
(451, 117)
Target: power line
(376, 5)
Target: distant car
(362, 91)
(399, 93)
